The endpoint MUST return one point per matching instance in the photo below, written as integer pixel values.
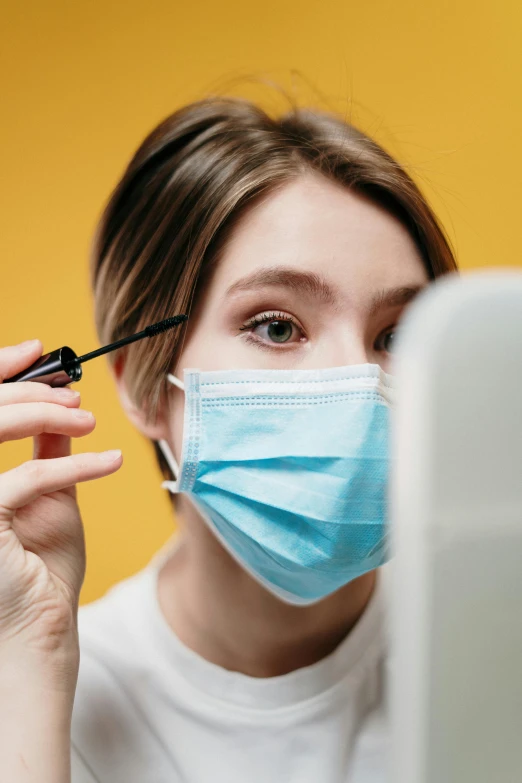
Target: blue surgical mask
(290, 470)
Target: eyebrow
(394, 297)
(301, 282)
(313, 284)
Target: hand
(42, 552)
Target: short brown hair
(189, 183)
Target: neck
(218, 610)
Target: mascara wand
(62, 366)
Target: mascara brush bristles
(149, 331)
(163, 326)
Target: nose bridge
(346, 348)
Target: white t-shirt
(149, 709)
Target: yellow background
(436, 81)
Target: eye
(273, 328)
(279, 331)
(386, 340)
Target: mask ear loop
(176, 381)
(172, 462)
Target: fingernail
(110, 456)
(28, 346)
(66, 394)
(79, 414)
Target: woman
(252, 648)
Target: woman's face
(313, 276)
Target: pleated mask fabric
(290, 469)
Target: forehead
(318, 226)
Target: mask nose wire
(165, 448)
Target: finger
(34, 478)
(31, 391)
(47, 446)
(33, 418)
(15, 358)
(50, 446)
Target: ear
(157, 430)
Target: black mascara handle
(63, 366)
(55, 369)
